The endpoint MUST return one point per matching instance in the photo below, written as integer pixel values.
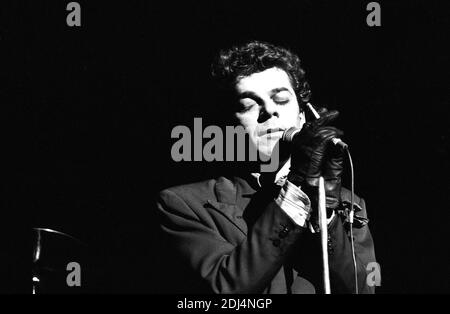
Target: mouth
(270, 131)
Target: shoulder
(346, 196)
(189, 197)
(359, 205)
(197, 190)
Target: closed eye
(246, 104)
(282, 97)
(281, 102)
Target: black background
(87, 114)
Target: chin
(265, 148)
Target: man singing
(249, 232)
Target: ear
(302, 119)
(302, 116)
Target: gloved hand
(332, 172)
(313, 154)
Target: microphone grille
(288, 135)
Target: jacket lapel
(232, 198)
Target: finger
(327, 118)
(334, 155)
(333, 164)
(337, 132)
(325, 134)
(321, 110)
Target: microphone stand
(324, 235)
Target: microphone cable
(351, 214)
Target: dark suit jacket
(235, 239)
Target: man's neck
(279, 176)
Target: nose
(268, 110)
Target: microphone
(289, 134)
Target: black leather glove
(313, 155)
(332, 172)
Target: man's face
(268, 106)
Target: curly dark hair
(256, 56)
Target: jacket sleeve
(247, 267)
(340, 255)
